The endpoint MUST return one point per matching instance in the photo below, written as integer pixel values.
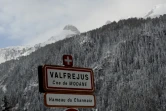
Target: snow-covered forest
(128, 58)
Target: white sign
(68, 79)
(69, 100)
(64, 78)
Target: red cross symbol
(67, 60)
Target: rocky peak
(108, 22)
(72, 28)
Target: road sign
(69, 100)
(69, 79)
(67, 60)
(71, 109)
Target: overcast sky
(29, 22)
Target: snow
(4, 89)
(84, 40)
(16, 107)
(62, 35)
(102, 78)
(15, 52)
(2, 59)
(93, 109)
(9, 53)
(33, 84)
(107, 54)
(28, 52)
(26, 106)
(96, 67)
(2, 86)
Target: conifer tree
(6, 106)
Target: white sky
(25, 22)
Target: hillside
(128, 59)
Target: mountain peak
(158, 10)
(71, 28)
(108, 22)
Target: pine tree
(6, 106)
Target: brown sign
(68, 79)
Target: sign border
(68, 106)
(60, 89)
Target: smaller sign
(69, 100)
(67, 60)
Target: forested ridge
(128, 58)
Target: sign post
(67, 86)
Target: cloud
(29, 19)
(42, 37)
(115, 10)
(33, 21)
(1, 30)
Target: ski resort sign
(69, 79)
(69, 100)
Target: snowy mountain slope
(128, 64)
(18, 51)
(157, 11)
(68, 31)
(61, 35)
(12, 52)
